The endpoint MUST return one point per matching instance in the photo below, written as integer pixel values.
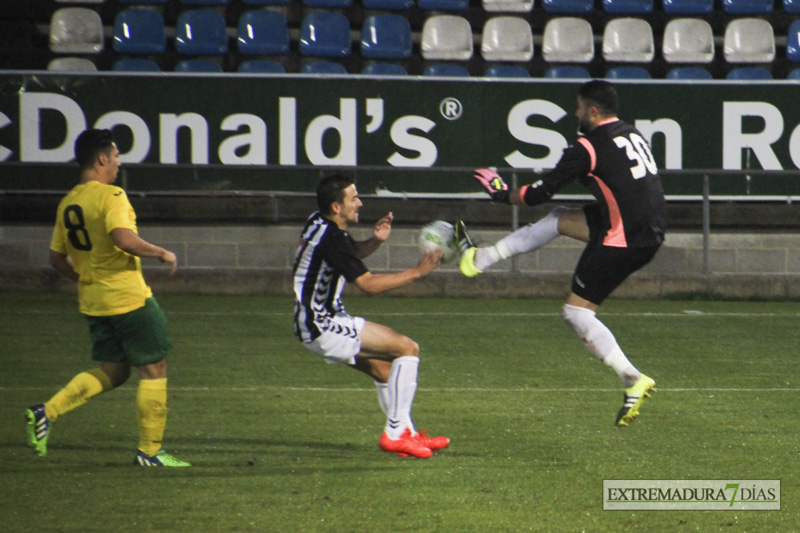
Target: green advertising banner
(229, 132)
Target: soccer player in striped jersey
(96, 244)
(623, 228)
(327, 258)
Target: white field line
(688, 313)
(441, 389)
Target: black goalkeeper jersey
(614, 162)
(325, 260)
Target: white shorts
(341, 342)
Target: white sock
(600, 341)
(401, 388)
(526, 239)
(383, 396)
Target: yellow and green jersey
(111, 281)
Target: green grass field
(280, 441)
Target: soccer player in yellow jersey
(95, 243)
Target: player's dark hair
(331, 189)
(90, 144)
(601, 94)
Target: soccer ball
(439, 235)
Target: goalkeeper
(623, 228)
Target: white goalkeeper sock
(526, 239)
(600, 341)
(401, 387)
(383, 396)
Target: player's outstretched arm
(61, 263)
(128, 241)
(380, 233)
(377, 283)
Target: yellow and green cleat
(161, 458)
(632, 400)
(468, 250)
(38, 428)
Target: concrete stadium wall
(244, 259)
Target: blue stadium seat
(747, 7)
(689, 73)
(139, 31)
(262, 32)
(384, 69)
(389, 5)
(567, 71)
(261, 66)
(143, 2)
(135, 64)
(443, 5)
(323, 67)
(793, 42)
(628, 73)
(506, 71)
(265, 2)
(791, 7)
(749, 73)
(197, 65)
(328, 4)
(200, 32)
(568, 7)
(627, 7)
(794, 74)
(446, 70)
(386, 36)
(325, 34)
(688, 7)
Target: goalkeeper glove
(493, 184)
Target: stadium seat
(443, 5)
(323, 67)
(325, 34)
(793, 42)
(627, 7)
(507, 6)
(747, 7)
(72, 64)
(568, 40)
(389, 5)
(262, 32)
(265, 2)
(386, 36)
(688, 40)
(328, 4)
(749, 40)
(205, 2)
(200, 32)
(507, 39)
(628, 73)
(80, 1)
(749, 73)
(384, 69)
(135, 64)
(791, 7)
(506, 71)
(143, 2)
(76, 30)
(568, 7)
(139, 31)
(261, 66)
(794, 74)
(628, 40)
(446, 37)
(567, 71)
(688, 7)
(688, 73)
(198, 65)
(446, 70)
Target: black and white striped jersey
(325, 261)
